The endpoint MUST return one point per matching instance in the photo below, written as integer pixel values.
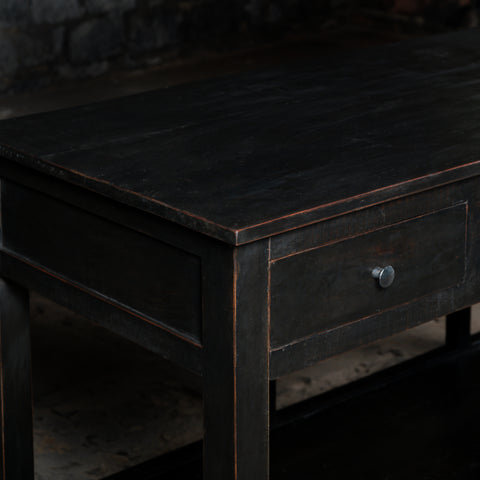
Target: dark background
(44, 41)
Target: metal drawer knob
(385, 275)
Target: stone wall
(44, 40)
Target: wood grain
(332, 285)
(148, 276)
(16, 440)
(246, 157)
(236, 364)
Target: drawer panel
(136, 271)
(332, 285)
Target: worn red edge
(250, 233)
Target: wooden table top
(248, 156)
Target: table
(242, 227)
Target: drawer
(332, 285)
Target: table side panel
(157, 280)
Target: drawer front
(332, 285)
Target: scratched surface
(244, 157)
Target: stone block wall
(44, 40)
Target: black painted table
(233, 226)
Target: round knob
(385, 275)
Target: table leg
(236, 372)
(273, 397)
(15, 371)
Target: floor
(102, 403)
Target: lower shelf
(419, 420)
